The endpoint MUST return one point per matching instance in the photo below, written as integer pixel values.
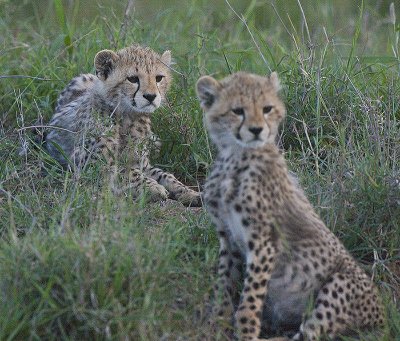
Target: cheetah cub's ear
(207, 89)
(166, 58)
(273, 78)
(104, 62)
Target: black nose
(256, 130)
(150, 97)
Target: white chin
(148, 109)
(252, 144)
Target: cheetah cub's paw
(156, 192)
(190, 198)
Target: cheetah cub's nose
(256, 130)
(150, 97)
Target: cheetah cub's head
(134, 79)
(242, 109)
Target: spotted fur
(294, 272)
(109, 114)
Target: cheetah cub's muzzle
(248, 115)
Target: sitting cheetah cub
(298, 275)
(110, 113)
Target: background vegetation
(77, 263)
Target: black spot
(306, 268)
(319, 316)
(223, 253)
(238, 208)
(213, 203)
(243, 320)
(328, 315)
(245, 223)
(256, 285)
(236, 254)
(251, 299)
(325, 290)
(251, 245)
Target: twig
(124, 25)
(243, 20)
(30, 77)
(46, 126)
(305, 22)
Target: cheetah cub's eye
(159, 78)
(133, 79)
(267, 109)
(238, 111)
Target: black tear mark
(240, 127)
(134, 95)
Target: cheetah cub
(297, 275)
(109, 113)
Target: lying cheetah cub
(110, 113)
(266, 224)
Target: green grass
(77, 263)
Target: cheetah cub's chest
(228, 183)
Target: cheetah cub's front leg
(137, 180)
(176, 189)
(260, 262)
(226, 289)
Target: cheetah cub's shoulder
(268, 227)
